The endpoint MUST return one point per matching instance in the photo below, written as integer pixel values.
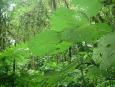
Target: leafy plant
(74, 46)
(62, 32)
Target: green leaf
(85, 33)
(62, 18)
(44, 43)
(105, 52)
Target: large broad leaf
(85, 33)
(105, 52)
(48, 43)
(44, 43)
(62, 18)
(88, 7)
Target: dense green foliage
(57, 43)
